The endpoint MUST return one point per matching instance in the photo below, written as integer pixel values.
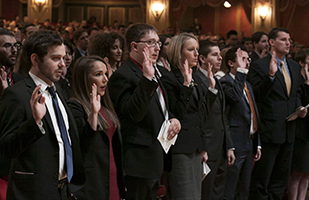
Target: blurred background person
(65, 79)
(162, 59)
(260, 45)
(246, 42)
(110, 46)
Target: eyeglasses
(9, 46)
(151, 43)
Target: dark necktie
(64, 134)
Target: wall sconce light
(227, 4)
(263, 11)
(40, 4)
(157, 10)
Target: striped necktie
(287, 78)
(255, 125)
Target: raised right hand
(240, 62)
(273, 68)
(3, 81)
(210, 76)
(95, 100)
(186, 71)
(148, 69)
(38, 107)
(264, 53)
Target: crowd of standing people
(87, 113)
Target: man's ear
(254, 43)
(301, 63)
(202, 59)
(271, 42)
(134, 46)
(230, 63)
(35, 59)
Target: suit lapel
(138, 72)
(178, 76)
(220, 93)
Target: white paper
(294, 115)
(162, 137)
(206, 170)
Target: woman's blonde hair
(175, 49)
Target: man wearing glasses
(8, 52)
(141, 105)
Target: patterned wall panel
(75, 13)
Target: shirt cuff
(40, 125)
(213, 90)
(231, 149)
(242, 70)
(259, 147)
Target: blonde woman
(186, 99)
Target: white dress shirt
(51, 111)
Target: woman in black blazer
(186, 103)
(97, 124)
(299, 177)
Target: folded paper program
(162, 137)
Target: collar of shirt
(232, 75)
(204, 72)
(279, 64)
(257, 53)
(137, 63)
(38, 81)
(82, 52)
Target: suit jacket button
(56, 154)
(56, 175)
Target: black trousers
(270, 175)
(141, 188)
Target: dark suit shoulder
(254, 56)
(16, 77)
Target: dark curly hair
(101, 44)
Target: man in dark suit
(80, 39)
(141, 104)
(218, 142)
(260, 45)
(8, 53)
(242, 115)
(38, 131)
(276, 82)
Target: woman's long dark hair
(81, 91)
